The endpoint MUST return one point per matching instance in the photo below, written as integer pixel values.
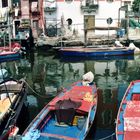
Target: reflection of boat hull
(4, 56)
(96, 52)
(127, 126)
(74, 59)
(10, 53)
(79, 115)
(10, 112)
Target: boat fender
(16, 49)
(3, 96)
(137, 49)
(131, 46)
(118, 44)
(14, 131)
(87, 78)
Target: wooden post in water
(85, 38)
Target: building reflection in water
(48, 76)
(107, 108)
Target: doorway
(89, 24)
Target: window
(129, 4)
(4, 3)
(89, 2)
(69, 20)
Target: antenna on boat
(5, 85)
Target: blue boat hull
(119, 52)
(9, 57)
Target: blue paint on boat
(133, 88)
(47, 122)
(10, 57)
(96, 53)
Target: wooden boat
(8, 50)
(12, 98)
(99, 51)
(82, 59)
(128, 118)
(10, 53)
(68, 116)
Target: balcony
(89, 8)
(50, 9)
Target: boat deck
(128, 127)
(53, 129)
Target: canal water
(47, 74)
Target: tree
(136, 6)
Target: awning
(34, 7)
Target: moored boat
(12, 98)
(99, 51)
(69, 116)
(10, 53)
(93, 52)
(128, 118)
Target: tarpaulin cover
(78, 93)
(136, 97)
(132, 116)
(131, 135)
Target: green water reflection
(47, 75)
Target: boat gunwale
(121, 104)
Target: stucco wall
(73, 10)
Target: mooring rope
(34, 90)
(107, 137)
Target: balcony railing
(90, 8)
(50, 9)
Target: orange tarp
(132, 116)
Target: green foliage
(135, 5)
